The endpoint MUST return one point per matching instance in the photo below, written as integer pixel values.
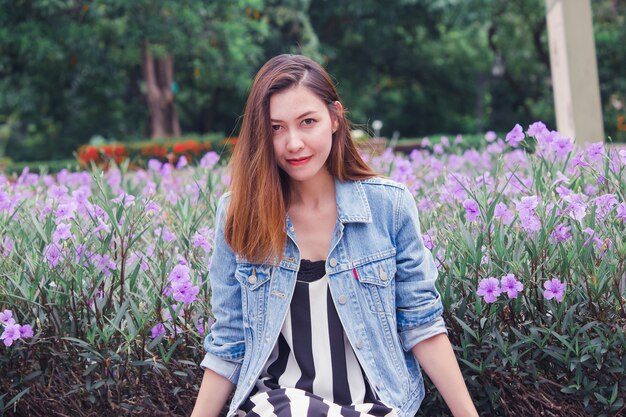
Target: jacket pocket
(377, 281)
(252, 277)
(254, 281)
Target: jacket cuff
(227, 369)
(411, 337)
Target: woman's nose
(294, 142)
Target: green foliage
(72, 70)
(93, 322)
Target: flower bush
(110, 272)
(532, 260)
(180, 151)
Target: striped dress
(313, 371)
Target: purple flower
(209, 159)
(57, 192)
(621, 212)
(26, 331)
(563, 146)
(591, 233)
(180, 272)
(438, 149)
(11, 334)
(152, 208)
(458, 139)
(64, 212)
(591, 189)
(425, 204)
(185, 291)
(489, 289)
(554, 289)
(62, 232)
(526, 209)
(103, 264)
(102, 226)
(511, 285)
(490, 136)
(561, 233)
(496, 148)
(157, 330)
(579, 160)
(471, 210)
(403, 170)
(577, 208)
(126, 198)
(428, 240)
(6, 317)
(592, 236)
(502, 213)
(528, 204)
(622, 156)
(604, 205)
(182, 162)
(416, 155)
(53, 255)
(154, 165)
(456, 187)
(537, 129)
(515, 136)
(198, 240)
(200, 326)
(595, 152)
(425, 142)
(165, 234)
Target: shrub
(139, 152)
(110, 270)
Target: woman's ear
(336, 115)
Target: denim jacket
(381, 279)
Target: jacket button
(383, 274)
(343, 299)
(333, 262)
(252, 279)
(359, 344)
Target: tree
(71, 70)
(166, 30)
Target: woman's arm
(212, 396)
(436, 358)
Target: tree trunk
(159, 75)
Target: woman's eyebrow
(306, 113)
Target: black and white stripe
(313, 370)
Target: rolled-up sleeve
(418, 303)
(224, 345)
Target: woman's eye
(308, 122)
(275, 128)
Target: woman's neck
(313, 193)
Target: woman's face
(302, 133)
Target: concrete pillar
(574, 70)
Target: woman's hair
(260, 194)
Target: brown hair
(255, 224)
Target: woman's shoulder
(384, 182)
(383, 193)
(223, 201)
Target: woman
(323, 293)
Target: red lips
(298, 161)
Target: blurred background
(78, 72)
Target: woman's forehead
(293, 103)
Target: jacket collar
(352, 204)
